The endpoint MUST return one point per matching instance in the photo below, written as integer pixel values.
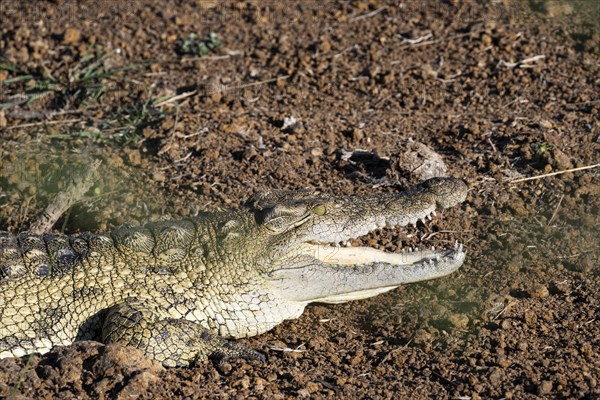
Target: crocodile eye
(320, 210)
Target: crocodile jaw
(306, 267)
(338, 274)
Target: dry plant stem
(556, 210)
(73, 193)
(555, 173)
(61, 122)
(220, 90)
(176, 98)
(368, 15)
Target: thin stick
(175, 98)
(523, 63)
(221, 90)
(554, 173)
(389, 354)
(418, 40)
(76, 189)
(556, 210)
(368, 15)
(224, 89)
(64, 121)
(428, 42)
(210, 58)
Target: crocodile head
(303, 262)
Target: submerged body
(177, 289)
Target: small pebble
(72, 36)
(422, 336)
(545, 387)
(459, 321)
(504, 362)
(539, 291)
(158, 176)
(530, 317)
(522, 346)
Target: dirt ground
(345, 97)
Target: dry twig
(556, 210)
(31, 124)
(368, 15)
(525, 63)
(554, 173)
(181, 96)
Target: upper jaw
(351, 217)
(343, 236)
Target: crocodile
(180, 290)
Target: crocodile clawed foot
(231, 350)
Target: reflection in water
(579, 18)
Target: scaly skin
(177, 289)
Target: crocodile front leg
(173, 342)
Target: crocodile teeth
(458, 250)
